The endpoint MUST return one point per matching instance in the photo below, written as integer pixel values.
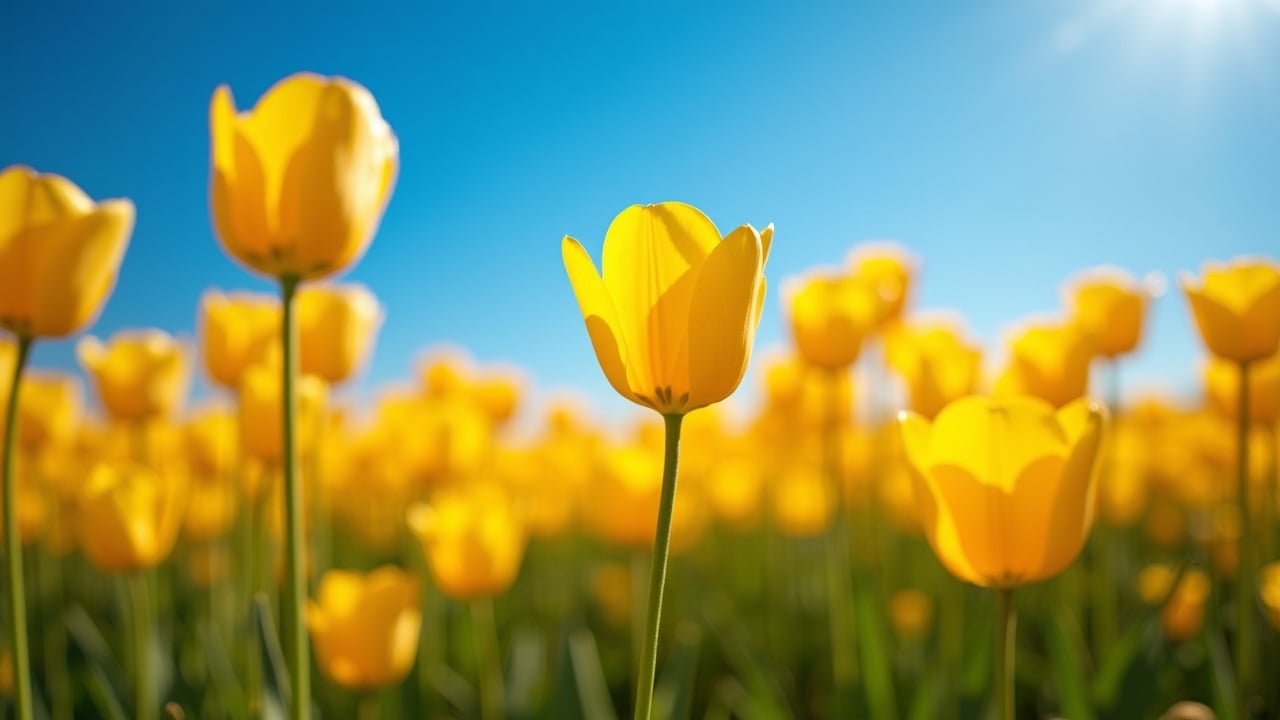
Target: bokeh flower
(365, 626)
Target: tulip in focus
(1109, 304)
(140, 375)
(129, 517)
(1236, 306)
(338, 325)
(237, 331)
(365, 626)
(473, 540)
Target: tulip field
(888, 530)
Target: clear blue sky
(1008, 143)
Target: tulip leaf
(1225, 701)
(222, 674)
(926, 704)
(97, 652)
(1067, 653)
(588, 675)
(674, 696)
(761, 687)
(276, 672)
(873, 642)
(103, 697)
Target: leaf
(873, 643)
(1225, 701)
(222, 673)
(102, 695)
(276, 673)
(588, 676)
(1066, 652)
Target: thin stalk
(299, 657)
(951, 642)
(844, 668)
(13, 547)
(1245, 638)
(1102, 552)
(367, 706)
(658, 571)
(488, 659)
(639, 568)
(1006, 642)
(144, 706)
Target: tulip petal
(722, 317)
(650, 260)
(601, 318)
(76, 267)
(1082, 422)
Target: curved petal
(994, 440)
(598, 311)
(722, 317)
(1073, 506)
(1262, 323)
(650, 261)
(1220, 328)
(76, 268)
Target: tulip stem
(488, 658)
(140, 613)
(295, 540)
(1006, 642)
(658, 570)
(1245, 638)
(13, 547)
(844, 664)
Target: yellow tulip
(910, 612)
(49, 408)
(1109, 304)
(129, 517)
(299, 183)
(472, 539)
(674, 316)
(337, 325)
(1237, 308)
(237, 330)
(140, 375)
(365, 626)
(1269, 579)
(1050, 361)
(830, 317)
(803, 503)
(32, 503)
(444, 372)
(434, 442)
(1222, 384)
(735, 490)
(59, 253)
(886, 269)
(210, 437)
(261, 430)
(498, 394)
(1006, 485)
(936, 362)
(212, 505)
(209, 565)
(1183, 614)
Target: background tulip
(338, 325)
(1236, 306)
(140, 375)
(365, 626)
(936, 363)
(887, 270)
(830, 317)
(49, 410)
(472, 539)
(1110, 305)
(237, 330)
(130, 516)
(1050, 361)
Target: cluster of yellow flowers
(283, 490)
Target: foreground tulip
(1237, 309)
(59, 256)
(1006, 487)
(672, 319)
(337, 325)
(365, 626)
(1109, 304)
(237, 331)
(140, 376)
(298, 186)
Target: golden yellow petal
(722, 317)
(601, 318)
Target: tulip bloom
(237, 330)
(886, 269)
(473, 541)
(301, 180)
(140, 375)
(830, 318)
(49, 410)
(937, 364)
(1222, 385)
(1050, 361)
(337, 325)
(365, 626)
(1183, 613)
(261, 399)
(129, 517)
(1237, 308)
(210, 441)
(674, 315)
(1109, 304)
(1006, 485)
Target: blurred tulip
(1269, 579)
(625, 498)
(59, 253)
(886, 269)
(32, 504)
(472, 539)
(1183, 613)
(1049, 361)
(498, 394)
(237, 331)
(1222, 385)
(210, 442)
(365, 626)
(1006, 485)
(299, 183)
(611, 588)
(802, 505)
(674, 316)
(209, 565)
(1123, 489)
(140, 375)
(1109, 305)
(1237, 308)
(735, 490)
(937, 364)
(338, 325)
(130, 516)
(830, 317)
(434, 443)
(261, 431)
(49, 410)
(910, 612)
(211, 509)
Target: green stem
(299, 656)
(488, 658)
(844, 668)
(1245, 638)
(658, 570)
(143, 668)
(13, 547)
(1006, 642)
(367, 706)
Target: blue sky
(1007, 143)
